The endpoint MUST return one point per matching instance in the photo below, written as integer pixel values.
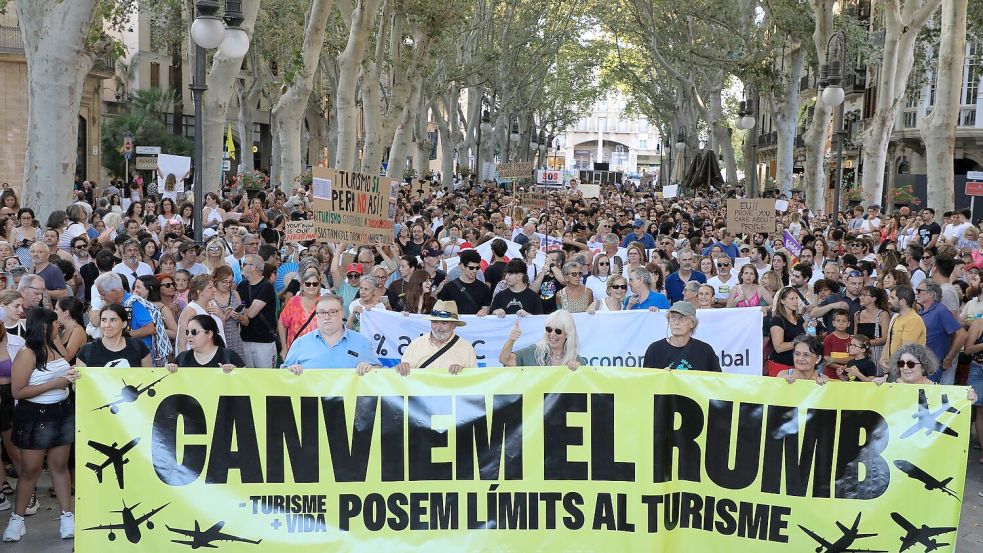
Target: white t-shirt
(723, 288)
(955, 232)
(142, 270)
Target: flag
(229, 145)
(793, 247)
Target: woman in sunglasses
(206, 347)
(599, 275)
(574, 297)
(297, 317)
(114, 349)
(914, 364)
(558, 347)
(617, 289)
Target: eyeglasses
(927, 258)
(619, 286)
(327, 312)
(193, 332)
(920, 290)
(354, 275)
(167, 285)
(575, 273)
(725, 264)
(557, 331)
(911, 364)
(312, 284)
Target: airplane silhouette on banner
(928, 420)
(844, 543)
(925, 478)
(131, 524)
(923, 535)
(114, 457)
(130, 393)
(204, 538)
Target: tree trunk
(54, 35)
(248, 100)
(784, 114)
(221, 81)
(817, 135)
(901, 26)
(939, 127)
(442, 114)
(292, 105)
(362, 18)
(403, 135)
(721, 136)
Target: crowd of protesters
(116, 279)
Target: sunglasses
(354, 275)
(167, 285)
(855, 274)
(193, 332)
(910, 364)
(603, 264)
(927, 258)
(575, 273)
(472, 267)
(312, 284)
(443, 314)
(557, 331)
(619, 286)
(723, 264)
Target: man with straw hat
(441, 347)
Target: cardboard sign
(299, 231)
(590, 190)
(356, 207)
(420, 188)
(533, 199)
(521, 170)
(146, 163)
(752, 215)
(670, 191)
(549, 177)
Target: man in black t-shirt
(496, 269)
(258, 320)
(518, 298)
(680, 351)
(472, 296)
(929, 231)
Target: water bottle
(811, 327)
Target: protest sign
(616, 338)
(591, 190)
(751, 215)
(299, 231)
(553, 178)
(353, 207)
(519, 170)
(420, 188)
(600, 459)
(670, 191)
(533, 199)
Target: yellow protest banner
(520, 459)
(353, 207)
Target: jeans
(259, 355)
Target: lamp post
(513, 136)
(208, 31)
(746, 122)
(484, 128)
(681, 144)
(830, 79)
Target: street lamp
(745, 116)
(484, 128)
(832, 95)
(208, 32)
(745, 121)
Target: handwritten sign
(591, 190)
(549, 177)
(533, 199)
(509, 171)
(359, 209)
(299, 231)
(420, 188)
(751, 215)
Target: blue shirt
(940, 325)
(675, 285)
(654, 299)
(644, 238)
(312, 352)
(732, 250)
(139, 318)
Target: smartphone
(240, 308)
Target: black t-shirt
(222, 356)
(512, 302)
(395, 294)
(925, 232)
(95, 354)
(413, 249)
(696, 355)
(866, 366)
(262, 327)
(547, 292)
(470, 298)
(791, 331)
(494, 273)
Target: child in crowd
(860, 368)
(837, 343)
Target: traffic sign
(974, 175)
(974, 188)
(148, 150)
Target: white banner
(608, 339)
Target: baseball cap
(683, 308)
(638, 223)
(354, 268)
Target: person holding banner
(680, 350)
(786, 325)
(441, 347)
(558, 347)
(807, 352)
(333, 346)
(207, 348)
(517, 298)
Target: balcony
(854, 83)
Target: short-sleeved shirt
(54, 279)
(511, 302)
(95, 354)
(696, 355)
(222, 356)
(675, 285)
(526, 357)
(866, 367)
(421, 349)
(262, 327)
(854, 307)
(925, 232)
(940, 325)
(469, 296)
(905, 328)
(312, 352)
(654, 299)
(791, 331)
(139, 318)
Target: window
(643, 144)
(602, 124)
(643, 125)
(971, 75)
(583, 125)
(154, 75)
(602, 104)
(622, 125)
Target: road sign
(974, 175)
(226, 165)
(974, 188)
(148, 150)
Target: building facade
(608, 135)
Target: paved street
(43, 527)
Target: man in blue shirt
(110, 288)
(944, 334)
(726, 244)
(675, 282)
(332, 346)
(639, 235)
(642, 296)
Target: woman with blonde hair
(215, 254)
(616, 290)
(228, 300)
(636, 258)
(201, 292)
(558, 347)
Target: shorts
(43, 425)
(6, 408)
(976, 381)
